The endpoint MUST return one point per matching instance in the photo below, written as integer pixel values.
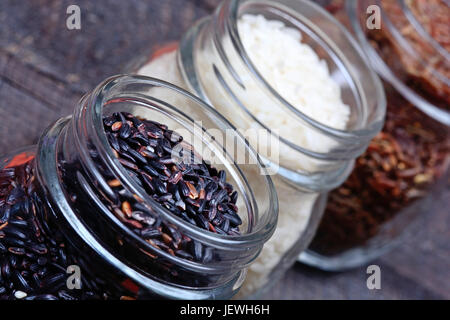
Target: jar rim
(94, 110)
(349, 136)
(381, 67)
(86, 131)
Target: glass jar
(406, 167)
(62, 207)
(411, 50)
(212, 62)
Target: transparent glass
(211, 62)
(389, 194)
(74, 163)
(406, 53)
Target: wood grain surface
(45, 68)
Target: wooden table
(45, 68)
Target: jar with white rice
(293, 81)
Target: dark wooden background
(45, 68)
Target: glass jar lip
(94, 112)
(366, 133)
(387, 74)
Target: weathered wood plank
(23, 117)
(30, 100)
(55, 94)
(112, 34)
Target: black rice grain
(32, 263)
(191, 191)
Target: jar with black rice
(131, 198)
